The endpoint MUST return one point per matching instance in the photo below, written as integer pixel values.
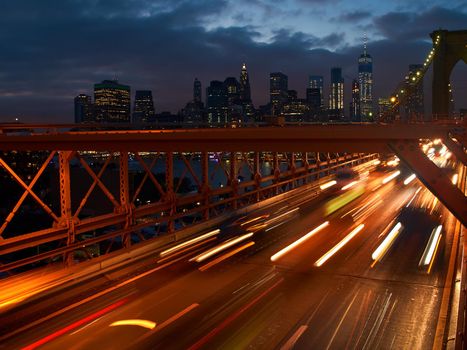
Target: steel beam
(126, 206)
(457, 148)
(325, 138)
(433, 178)
(170, 194)
(26, 192)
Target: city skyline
(47, 65)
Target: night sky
(50, 51)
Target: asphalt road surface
(363, 268)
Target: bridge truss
(202, 174)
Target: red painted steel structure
(313, 148)
(124, 221)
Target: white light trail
(430, 249)
(339, 245)
(328, 184)
(346, 187)
(411, 200)
(221, 247)
(392, 176)
(409, 179)
(455, 177)
(387, 242)
(190, 242)
(287, 249)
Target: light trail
(391, 177)
(295, 244)
(195, 248)
(191, 241)
(379, 253)
(135, 322)
(339, 245)
(413, 197)
(455, 177)
(221, 247)
(74, 325)
(254, 219)
(275, 219)
(225, 256)
(431, 248)
(328, 184)
(409, 179)
(346, 187)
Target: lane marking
(293, 339)
(341, 321)
(164, 324)
(200, 343)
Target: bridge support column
(306, 165)
(292, 168)
(66, 217)
(276, 171)
(125, 201)
(170, 195)
(257, 175)
(233, 180)
(205, 184)
(433, 178)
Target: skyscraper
(217, 103)
(83, 109)
(336, 96)
(233, 89)
(415, 106)
(313, 98)
(278, 85)
(143, 110)
(317, 82)
(245, 93)
(355, 114)
(365, 80)
(197, 96)
(112, 102)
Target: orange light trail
(221, 247)
(255, 219)
(310, 234)
(339, 245)
(191, 241)
(191, 248)
(225, 256)
(134, 322)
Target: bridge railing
(98, 202)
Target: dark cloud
(354, 16)
(413, 26)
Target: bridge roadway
(248, 301)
